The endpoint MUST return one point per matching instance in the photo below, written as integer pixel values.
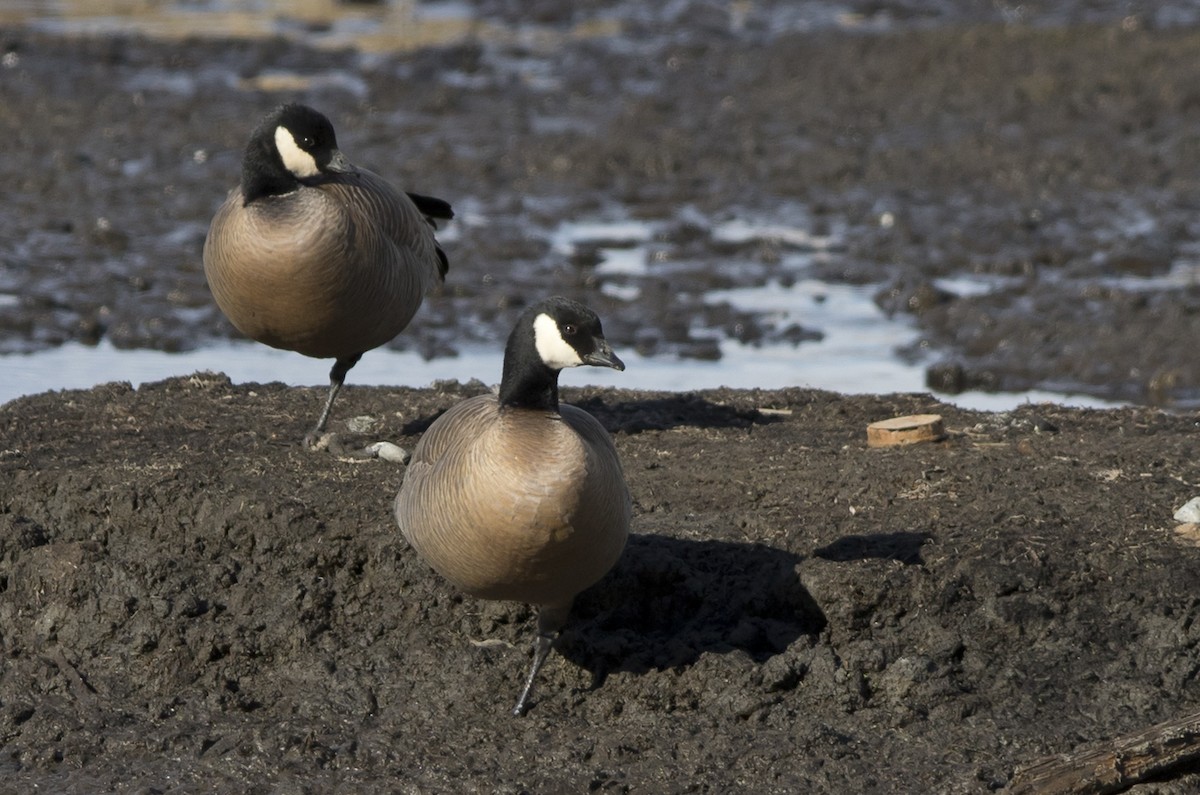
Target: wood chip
(1116, 765)
(906, 430)
(1188, 533)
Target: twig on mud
(1116, 765)
(84, 693)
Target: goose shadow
(637, 416)
(669, 600)
(902, 547)
(670, 411)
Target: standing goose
(516, 496)
(313, 255)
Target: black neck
(527, 381)
(263, 172)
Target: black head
(294, 144)
(549, 336)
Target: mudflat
(192, 602)
(189, 602)
(1027, 194)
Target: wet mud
(1051, 169)
(190, 602)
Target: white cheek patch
(553, 349)
(295, 159)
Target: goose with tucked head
(313, 255)
(519, 497)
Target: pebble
(1190, 512)
(389, 452)
(361, 424)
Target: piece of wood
(905, 430)
(1188, 533)
(1115, 765)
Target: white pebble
(389, 452)
(1190, 512)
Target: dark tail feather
(443, 263)
(432, 208)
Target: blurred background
(996, 202)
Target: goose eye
(308, 142)
(569, 329)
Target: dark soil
(189, 602)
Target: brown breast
(516, 504)
(331, 270)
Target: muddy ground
(189, 602)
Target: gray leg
(337, 377)
(550, 621)
(541, 650)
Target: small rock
(361, 424)
(1190, 512)
(389, 452)
(783, 672)
(947, 377)
(911, 294)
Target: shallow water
(850, 346)
(856, 356)
(846, 343)
(742, 290)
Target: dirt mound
(191, 602)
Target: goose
(314, 255)
(515, 496)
